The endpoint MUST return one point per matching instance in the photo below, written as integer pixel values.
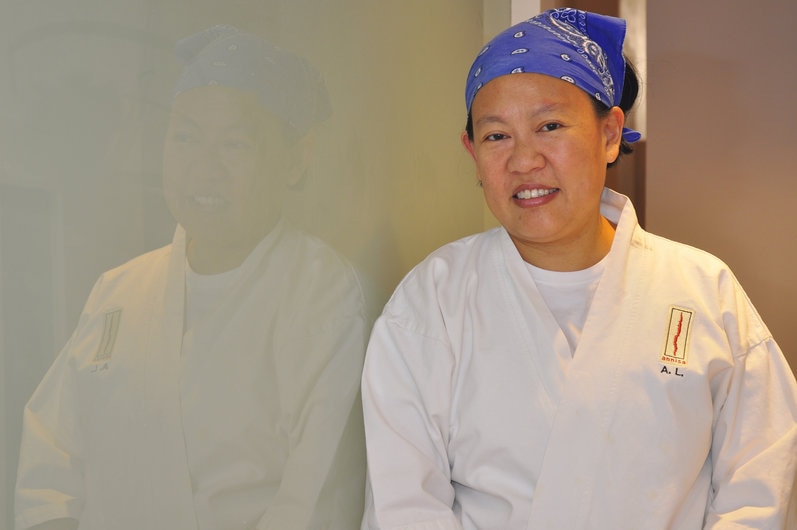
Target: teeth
(208, 200)
(535, 193)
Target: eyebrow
(183, 120)
(495, 118)
(490, 118)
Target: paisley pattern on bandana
(582, 48)
(561, 24)
(284, 83)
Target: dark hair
(627, 100)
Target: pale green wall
(84, 93)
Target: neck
(210, 256)
(215, 259)
(581, 253)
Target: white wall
(524, 9)
(721, 156)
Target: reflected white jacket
(677, 410)
(246, 427)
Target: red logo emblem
(679, 325)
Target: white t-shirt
(205, 292)
(568, 295)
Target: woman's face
(225, 166)
(541, 152)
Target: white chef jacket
(676, 411)
(249, 421)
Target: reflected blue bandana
(285, 84)
(582, 48)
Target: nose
(525, 155)
(208, 164)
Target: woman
(569, 370)
(212, 383)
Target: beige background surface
(721, 162)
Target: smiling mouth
(208, 201)
(535, 193)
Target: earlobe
(468, 144)
(304, 152)
(613, 131)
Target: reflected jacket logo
(109, 331)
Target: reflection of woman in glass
(212, 383)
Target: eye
(239, 145)
(548, 127)
(237, 141)
(495, 137)
(183, 137)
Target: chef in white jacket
(569, 370)
(213, 383)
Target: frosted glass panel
(206, 238)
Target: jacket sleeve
(754, 449)
(50, 474)
(322, 481)
(406, 389)
(320, 353)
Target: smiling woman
(520, 377)
(227, 163)
(541, 153)
(230, 359)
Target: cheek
(585, 157)
(175, 166)
(240, 159)
(490, 164)
(245, 170)
(258, 187)
(169, 181)
(494, 191)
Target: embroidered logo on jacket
(676, 345)
(109, 331)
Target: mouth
(534, 193)
(209, 202)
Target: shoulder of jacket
(137, 270)
(448, 262)
(444, 277)
(684, 255)
(715, 287)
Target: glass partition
(203, 205)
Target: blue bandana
(582, 48)
(285, 84)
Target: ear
(613, 132)
(303, 153)
(468, 145)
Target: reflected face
(541, 152)
(226, 162)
